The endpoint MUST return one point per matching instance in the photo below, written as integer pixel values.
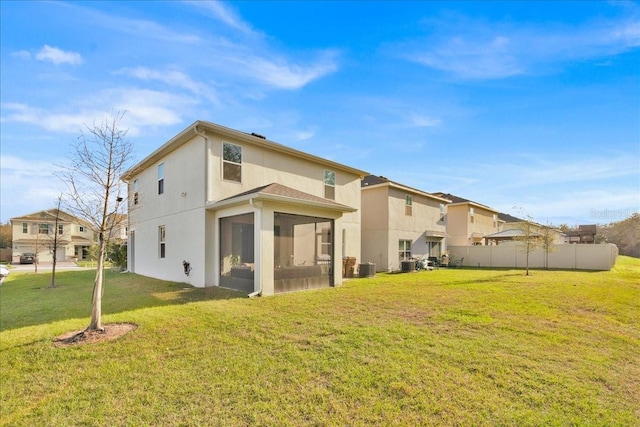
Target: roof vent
(257, 135)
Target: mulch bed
(110, 332)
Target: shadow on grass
(27, 299)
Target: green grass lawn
(445, 347)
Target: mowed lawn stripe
(444, 347)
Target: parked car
(27, 258)
(4, 271)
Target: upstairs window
(495, 220)
(60, 229)
(329, 185)
(161, 241)
(135, 191)
(231, 162)
(81, 229)
(471, 214)
(43, 228)
(161, 178)
(25, 228)
(408, 206)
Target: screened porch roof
(280, 193)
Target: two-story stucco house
(468, 222)
(218, 207)
(400, 222)
(37, 232)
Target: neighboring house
(514, 228)
(119, 226)
(468, 222)
(218, 207)
(36, 233)
(400, 222)
(585, 234)
(512, 235)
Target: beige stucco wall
(180, 209)
(563, 256)
(460, 228)
(385, 223)
(193, 181)
(375, 220)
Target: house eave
(200, 126)
(253, 198)
(436, 234)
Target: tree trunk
(96, 308)
(52, 284)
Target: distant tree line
(624, 234)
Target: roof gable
(48, 215)
(461, 201)
(372, 180)
(201, 128)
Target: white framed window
(60, 229)
(135, 191)
(25, 228)
(161, 178)
(404, 250)
(231, 162)
(161, 241)
(408, 206)
(329, 185)
(472, 214)
(43, 228)
(81, 229)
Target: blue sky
(527, 104)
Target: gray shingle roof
(512, 232)
(275, 190)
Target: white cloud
(27, 183)
(139, 29)
(493, 50)
(22, 54)
(58, 56)
(284, 75)
(143, 107)
(225, 14)
(424, 121)
(252, 57)
(172, 77)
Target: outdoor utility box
(367, 270)
(348, 266)
(408, 266)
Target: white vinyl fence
(566, 256)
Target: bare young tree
(547, 242)
(95, 192)
(529, 240)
